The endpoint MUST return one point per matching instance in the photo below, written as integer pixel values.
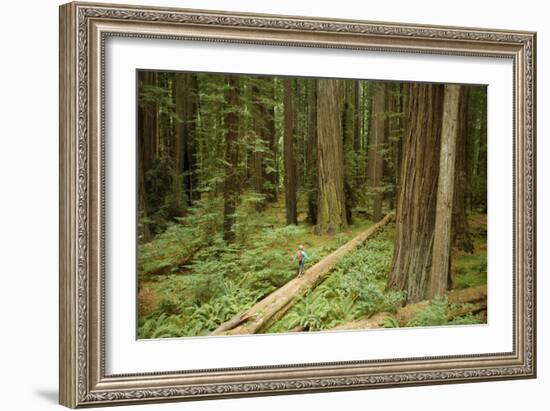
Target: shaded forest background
(235, 171)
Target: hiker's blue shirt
(304, 256)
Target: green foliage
(221, 281)
(434, 314)
(468, 319)
(193, 280)
(390, 322)
(179, 243)
(469, 270)
(310, 312)
(224, 280)
(356, 288)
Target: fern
(434, 314)
(390, 322)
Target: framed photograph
(261, 205)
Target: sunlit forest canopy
(237, 173)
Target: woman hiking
(301, 256)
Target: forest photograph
(276, 204)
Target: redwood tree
(331, 208)
(230, 185)
(416, 205)
(375, 160)
(289, 160)
(185, 142)
(441, 252)
(148, 137)
(461, 238)
(311, 153)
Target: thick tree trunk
(415, 214)
(441, 253)
(264, 313)
(290, 162)
(461, 239)
(375, 160)
(148, 136)
(230, 185)
(331, 207)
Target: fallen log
(375, 321)
(260, 317)
(474, 298)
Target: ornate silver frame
(83, 30)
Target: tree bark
(311, 153)
(290, 162)
(348, 130)
(270, 165)
(461, 239)
(230, 186)
(441, 254)
(357, 116)
(415, 214)
(186, 109)
(148, 136)
(258, 120)
(394, 107)
(331, 207)
(375, 160)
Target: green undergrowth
(203, 281)
(437, 314)
(217, 280)
(470, 270)
(355, 288)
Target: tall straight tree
(148, 137)
(270, 167)
(461, 238)
(331, 206)
(230, 185)
(186, 146)
(441, 253)
(416, 204)
(311, 152)
(357, 116)
(289, 158)
(394, 134)
(375, 159)
(258, 119)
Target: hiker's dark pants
(301, 267)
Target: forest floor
(220, 281)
